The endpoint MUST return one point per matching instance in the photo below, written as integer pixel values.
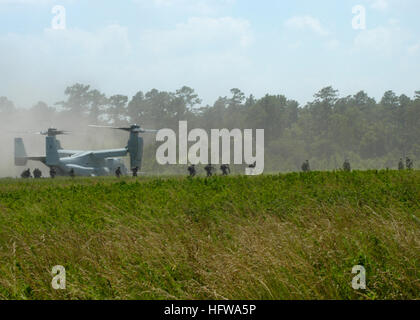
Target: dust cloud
(28, 123)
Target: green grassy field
(293, 236)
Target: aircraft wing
(67, 153)
(42, 158)
(102, 154)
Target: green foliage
(325, 131)
(286, 236)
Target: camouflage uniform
(209, 169)
(306, 167)
(135, 170)
(346, 166)
(401, 165)
(26, 174)
(37, 173)
(192, 170)
(118, 172)
(225, 169)
(409, 163)
(52, 173)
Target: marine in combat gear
(135, 171)
(71, 173)
(305, 166)
(53, 173)
(209, 170)
(409, 163)
(225, 169)
(26, 174)
(37, 173)
(118, 172)
(346, 165)
(192, 171)
(401, 165)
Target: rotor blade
(96, 126)
(133, 128)
(55, 133)
(25, 132)
(110, 127)
(43, 133)
(148, 131)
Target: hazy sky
(280, 47)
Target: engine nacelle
(135, 148)
(81, 171)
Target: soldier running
(135, 170)
(71, 173)
(192, 171)
(118, 172)
(209, 169)
(346, 165)
(409, 163)
(26, 174)
(401, 165)
(53, 173)
(306, 167)
(37, 173)
(225, 169)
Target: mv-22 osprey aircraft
(85, 163)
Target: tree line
(326, 131)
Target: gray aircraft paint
(85, 163)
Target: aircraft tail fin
(20, 153)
